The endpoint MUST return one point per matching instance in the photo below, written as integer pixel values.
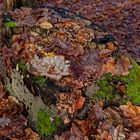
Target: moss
(45, 118)
(133, 83)
(22, 67)
(10, 24)
(46, 124)
(105, 89)
(41, 80)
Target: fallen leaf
(10, 106)
(46, 25)
(103, 135)
(30, 135)
(84, 125)
(122, 66)
(105, 53)
(2, 93)
(129, 110)
(134, 136)
(110, 46)
(79, 103)
(119, 133)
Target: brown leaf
(134, 136)
(75, 130)
(43, 23)
(79, 103)
(116, 67)
(103, 135)
(110, 46)
(46, 25)
(10, 106)
(84, 125)
(109, 66)
(122, 66)
(119, 133)
(2, 93)
(105, 53)
(14, 128)
(129, 110)
(132, 113)
(30, 135)
(136, 121)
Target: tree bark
(11, 4)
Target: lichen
(45, 118)
(17, 88)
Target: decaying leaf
(45, 25)
(72, 53)
(119, 133)
(116, 67)
(84, 125)
(31, 135)
(103, 135)
(2, 93)
(10, 106)
(130, 110)
(132, 113)
(78, 104)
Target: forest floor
(120, 18)
(63, 77)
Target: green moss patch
(22, 67)
(40, 80)
(10, 24)
(133, 83)
(106, 91)
(47, 123)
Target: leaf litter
(55, 49)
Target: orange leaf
(31, 135)
(79, 103)
(130, 110)
(84, 125)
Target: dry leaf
(105, 53)
(110, 46)
(129, 110)
(103, 135)
(79, 103)
(30, 135)
(119, 133)
(84, 125)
